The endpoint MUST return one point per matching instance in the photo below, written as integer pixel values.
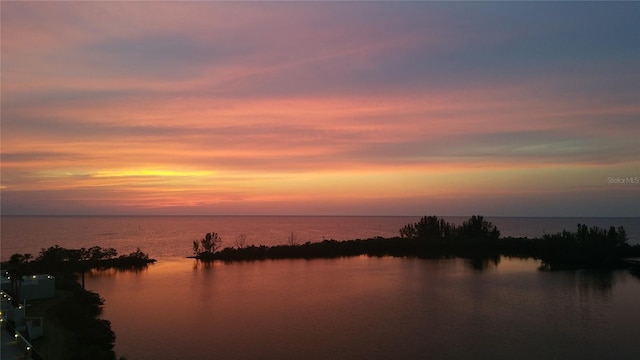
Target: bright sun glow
(152, 172)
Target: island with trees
(207, 246)
(435, 238)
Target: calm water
(369, 308)
(350, 308)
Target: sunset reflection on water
(362, 307)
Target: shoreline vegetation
(435, 238)
(73, 328)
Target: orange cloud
(149, 106)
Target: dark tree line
(586, 247)
(476, 239)
(79, 311)
(435, 237)
(59, 260)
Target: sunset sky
(327, 108)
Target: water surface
(362, 308)
(348, 308)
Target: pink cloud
(167, 105)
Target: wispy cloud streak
(187, 106)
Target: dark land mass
(476, 239)
(74, 329)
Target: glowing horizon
(523, 109)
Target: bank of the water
(73, 328)
(171, 236)
(55, 344)
(433, 237)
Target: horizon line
(310, 215)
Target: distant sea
(172, 236)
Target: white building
(41, 286)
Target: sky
(320, 108)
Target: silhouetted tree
(96, 253)
(196, 247)
(292, 240)
(136, 255)
(478, 229)
(211, 242)
(587, 247)
(428, 228)
(241, 241)
(409, 231)
(18, 266)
